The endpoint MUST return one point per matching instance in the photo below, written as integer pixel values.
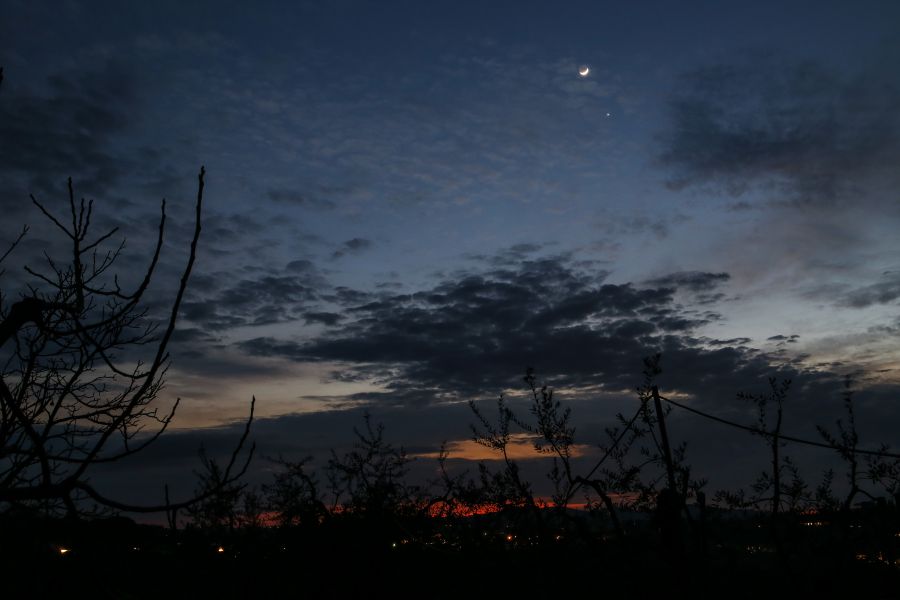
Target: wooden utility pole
(664, 438)
(669, 502)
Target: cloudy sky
(410, 202)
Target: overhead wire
(578, 483)
(781, 436)
(755, 430)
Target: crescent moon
(584, 71)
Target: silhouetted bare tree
(369, 480)
(73, 392)
(219, 497)
(293, 498)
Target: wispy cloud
(886, 291)
(352, 246)
(805, 130)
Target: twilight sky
(410, 202)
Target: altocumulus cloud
(352, 246)
(885, 291)
(811, 132)
(473, 333)
(67, 127)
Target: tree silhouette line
(640, 503)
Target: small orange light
(220, 549)
(64, 550)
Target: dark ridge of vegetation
(345, 558)
(365, 529)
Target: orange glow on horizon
(441, 509)
(520, 447)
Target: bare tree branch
(67, 387)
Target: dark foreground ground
(116, 558)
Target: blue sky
(408, 203)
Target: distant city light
(64, 550)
